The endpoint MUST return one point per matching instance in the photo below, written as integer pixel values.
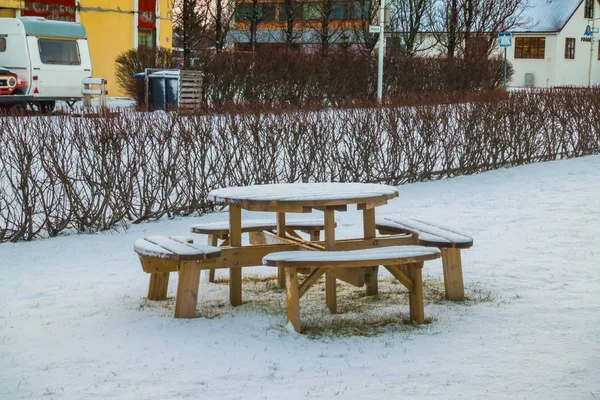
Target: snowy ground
(74, 323)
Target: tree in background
(470, 27)
(189, 27)
(290, 12)
(366, 13)
(410, 18)
(219, 18)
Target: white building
(555, 47)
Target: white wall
(554, 69)
(542, 69)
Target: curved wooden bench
(448, 240)
(220, 231)
(404, 263)
(162, 254)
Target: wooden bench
(448, 240)
(220, 231)
(405, 263)
(160, 255)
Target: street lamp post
(381, 51)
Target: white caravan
(51, 57)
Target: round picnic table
(304, 198)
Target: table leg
(281, 233)
(292, 298)
(235, 240)
(213, 240)
(330, 289)
(369, 233)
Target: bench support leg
(371, 281)
(330, 293)
(453, 277)
(187, 289)
(415, 298)
(159, 283)
(292, 298)
(213, 240)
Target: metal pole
(592, 45)
(381, 50)
(505, 68)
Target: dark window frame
(2, 45)
(530, 47)
(588, 11)
(152, 38)
(42, 56)
(266, 12)
(569, 48)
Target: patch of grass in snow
(358, 314)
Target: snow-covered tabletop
(305, 194)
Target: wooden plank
(235, 239)
(292, 298)
(281, 277)
(352, 276)
(354, 263)
(399, 274)
(157, 265)
(187, 289)
(415, 297)
(310, 280)
(159, 284)
(357, 244)
(453, 276)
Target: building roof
(547, 15)
(35, 26)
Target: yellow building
(113, 26)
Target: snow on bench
(405, 263)
(175, 248)
(222, 228)
(448, 240)
(429, 234)
(362, 258)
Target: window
(295, 11)
(570, 48)
(589, 9)
(2, 45)
(530, 47)
(63, 52)
(311, 11)
(146, 38)
(598, 50)
(264, 12)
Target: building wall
(554, 69)
(110, 29)
(575, 72)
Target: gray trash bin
(165, 90)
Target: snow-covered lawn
(74, 323)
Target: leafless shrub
(65, 174)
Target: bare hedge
(66, 174)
